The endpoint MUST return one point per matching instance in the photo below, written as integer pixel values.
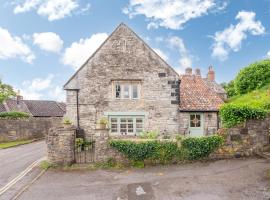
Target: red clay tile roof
(37, 108)
(195, 95)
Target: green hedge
(253, 77)
(201, 147)
(233, 114)
(13, 115)
(167, 151)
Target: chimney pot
(189, 71)
(197, 72)
(211, 74)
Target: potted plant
(103, 122)
(67, 121)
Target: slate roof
(37, 108)
(214, 86)
(196, 95)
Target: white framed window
(126, 90)
(126, 125)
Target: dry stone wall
(32, 128)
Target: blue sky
(43, 42)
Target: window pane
(117, 91)
(134, 91)
(139, 125)
(126, 91)
(195, 120)
(114, 126)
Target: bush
(14, 115)
(201, 147)
(230, 88)
(253, 77)
(149, 135)
(233, 114)
(167, 151)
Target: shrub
(253, 77)
(233, 114)
(149, 135)
(201, 147)
(167, 151)
(14, 115)
(230, 88)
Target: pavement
(15, 160)
(221, 180)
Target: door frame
(201, 128)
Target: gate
(84, 151)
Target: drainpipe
(77, 106)
(218, 120)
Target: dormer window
(126, 90)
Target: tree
(230, 88)
(6, 91)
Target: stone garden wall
(251, 138)
(32, 128)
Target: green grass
(257, 98)
(45, 165)
(5, 145)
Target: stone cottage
(126, 82)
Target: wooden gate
(84, 151)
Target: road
(16, 159)
(220, 180)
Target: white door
(196, 124)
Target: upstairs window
(126, 90)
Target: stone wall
(251, 138)
(210, 122)
(125, 57)
(32, 128)
(60, 145)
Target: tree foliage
(6, 91)
(253, 77)
(230, 88)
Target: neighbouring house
(43, 116)
(35, 108)
(129, 84)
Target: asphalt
(16, 159)
(220, 180)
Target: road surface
(220, 180)
(16, 159)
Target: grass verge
(5, 145)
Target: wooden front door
(196, 124)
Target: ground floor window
(126, 124)
(195, 120)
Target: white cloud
(185, 57)
(57, 93)
(78, 52)
(42, 88)
(268, 55)
(13, 47)
(51, 9)
(172, 14)
(231, 38)
(33, 89)
(161, 54)
(48, 41)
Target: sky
(44, 42)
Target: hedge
(233, 114)
(168, 151)
(253, 77)
(13, 115)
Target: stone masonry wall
(251, 138)
(209, 125)
(32, 128)
(60, 145)
(124, 57)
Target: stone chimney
(189, 71)
(19, 97)
(197, 72)
(211, 74)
